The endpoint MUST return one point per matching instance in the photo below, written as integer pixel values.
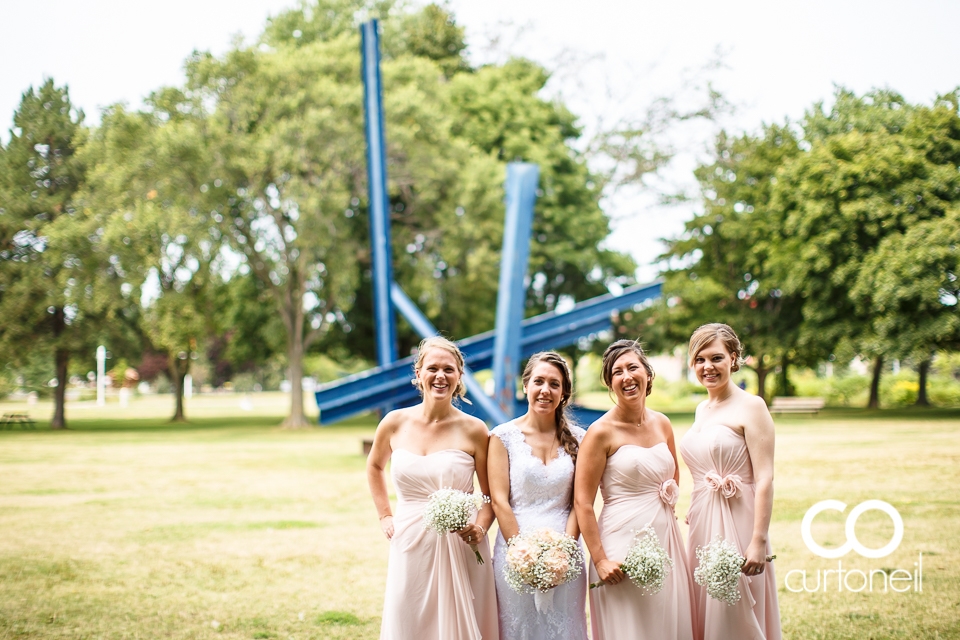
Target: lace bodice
(541, 495)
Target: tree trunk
(61, 358)
(59, 420)
(762, 373)
(922, 400)
(784, 388)
(874, 401)
(296, 419)
(178, 373)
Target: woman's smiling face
(629, 378)
(713, 365)
(544, 389)
(439, 374)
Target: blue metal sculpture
(513, 339)
(377, 188)
(521, 191)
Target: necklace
(720, 401)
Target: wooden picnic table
(8, 420)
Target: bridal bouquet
(540, 560)
(719, 570)
(647, 563)
(450, 510)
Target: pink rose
(557, 564)
(729, 486)
(521, 554)
(670, 492)
(550, 536)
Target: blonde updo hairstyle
(707, 333)
(618, 349)
(563, 420)
(439, 342)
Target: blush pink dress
(435, 588)
(638, 489)
(723, 503)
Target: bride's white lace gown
(540, 496)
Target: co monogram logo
(852, 543)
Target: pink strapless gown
(720, 464)
(635, 488)
(435, 588)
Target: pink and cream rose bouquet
(540, 560)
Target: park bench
(10, 419)
(796, 405)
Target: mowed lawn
(231, 528)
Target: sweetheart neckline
(638, 446)
(427, 455)
(715, 424)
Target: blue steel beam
(521, 193)
(386, 330)
(492, 412)
(383, 387)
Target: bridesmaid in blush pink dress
(630, 454)
(436, 590)
(729, 451)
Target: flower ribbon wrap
(728, 486)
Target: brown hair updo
(618, 349)
(564, 435)
(716, 331)
(439, 342)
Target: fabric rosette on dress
(729, 486)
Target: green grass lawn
(128, 527)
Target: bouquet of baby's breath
(450, 510)
(719, 570)
(647, 563)
(541, 560)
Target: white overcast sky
(611, 58)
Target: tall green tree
(909, 284)
(872, 172)
(149, 192)
(717, 273)
(46, 292)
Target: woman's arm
(376, 471)
(480, 438)
(672, 445)
(498, 470)
(591, 461)
(573, 525)
(758, 432)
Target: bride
(530, 466)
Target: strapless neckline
(432, 453)
(638, 446)
(715, 424)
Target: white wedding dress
(540, 496)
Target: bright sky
(611, 57)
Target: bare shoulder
(599, 432)
(393, 420)
(756, 408)
(474, 427)
(662, 423)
